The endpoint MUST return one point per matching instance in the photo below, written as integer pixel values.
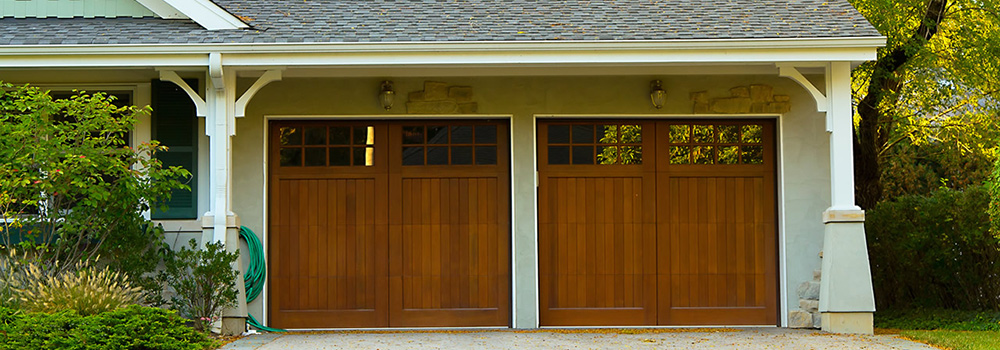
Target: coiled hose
(253, 278)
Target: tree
(937, 80)
(71, 188)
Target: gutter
(465, 46)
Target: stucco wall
(803, 179)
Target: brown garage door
(657, 223)
(403, 230)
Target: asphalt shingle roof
(326, 21)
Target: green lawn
(958, 340)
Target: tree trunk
(874, 128)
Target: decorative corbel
(266, 78)
(822, 102)
(199, 103)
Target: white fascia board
(207, 14)
(163, 9)
(449, 54)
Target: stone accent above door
(756, 98)
(441, 98)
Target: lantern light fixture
(386, 96)
(656, 93)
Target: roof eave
(448, 53)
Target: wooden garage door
(407, 229)
(657, 223)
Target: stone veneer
(757, 98)
(440, 98)
(807, 315)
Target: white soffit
(204, 12)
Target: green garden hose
(253, 278)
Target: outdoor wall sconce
(386, 95)
(656, 93)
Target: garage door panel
(326, 252)
(359, 240)
(720, 231)
(453, 268)
(595, 251)
(683, 238)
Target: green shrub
(203, 281)
(71, 188)
(133, 327)
(935, 251)
(86, 290)
(13, 275)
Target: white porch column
(846, 300)
(221, 224)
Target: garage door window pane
(704, 134)
(558, 154)
(704, 155)
(583, 154)
(631, 133)
(583, 133)
(753, 154)
(340, 135)
(607, 133)
(630, 155)
(437, 134)
(461, 155)
(413, 156)
(751, 133)
(486, 155)
(461, 134)
(486, 134)
(315, 136)
(680, 155)
(729, 133)
(437, 155)
(290, 157)
(413, 135)
(290, 136)
(680, 133)
(340, 156)
(558, 133)
(315, 156)
(607, 155)
(729, 155)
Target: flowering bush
(69, 180)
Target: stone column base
(848, 322)
(233, 325)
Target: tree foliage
(933, 92)
(71, 188)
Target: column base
(848, 322)
(233, 325)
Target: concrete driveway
(727, 338)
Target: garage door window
(589, 144)
(725, 144)
(450, 145)
(315, 146)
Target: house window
(175, 125)
(315, 146)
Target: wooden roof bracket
(266, 78)
(199, 103)
(791, 71)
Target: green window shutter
(175, 125)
